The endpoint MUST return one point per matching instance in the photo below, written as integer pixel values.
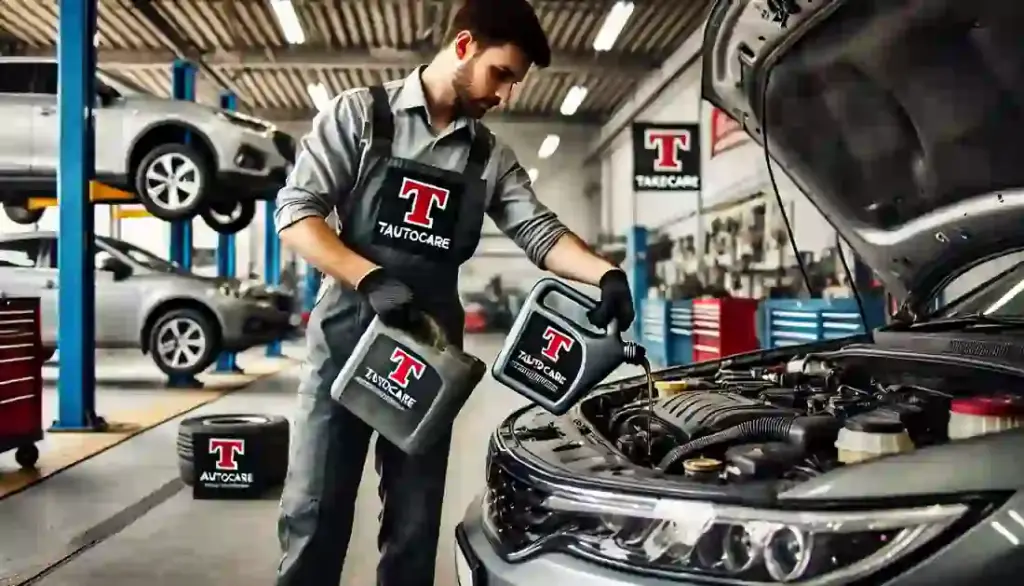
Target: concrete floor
(122, 518)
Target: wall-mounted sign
(666, 157)
(726, 132)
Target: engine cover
(701, 413)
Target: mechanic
(408, 171)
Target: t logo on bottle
(555, 343)
(406, 366)
(425, 199)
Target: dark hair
(500, 22)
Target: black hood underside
(900, 119)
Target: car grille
(513, 507)
(285, 145)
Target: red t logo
(666, 144)
(226, 451)
(424, 197)
(406, 365)
(556, 343)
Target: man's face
(487, 76)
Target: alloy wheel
(181, 343)
(173, 181)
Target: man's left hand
(616, 302)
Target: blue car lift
(271, 261)
(183, 87)
(76, 385)
(226, 256)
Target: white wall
(731, 174)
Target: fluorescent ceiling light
(318, 93)
(573, 100)
(533, 174)
(549, 146)
(288, 19)
(616, 20)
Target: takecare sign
(666, 157)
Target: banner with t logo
(666, 157)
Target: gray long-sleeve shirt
(328, 164)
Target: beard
(465, 103)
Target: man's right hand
(391, 300)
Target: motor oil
(553, 360)
(409, 386)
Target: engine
(788, 422)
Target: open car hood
(900, 119)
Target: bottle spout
(634, 354)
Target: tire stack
(270, 431)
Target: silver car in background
(181, 158)
(184, 321)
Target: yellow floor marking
(63, 450)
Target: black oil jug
(552, 360)
(407, 386)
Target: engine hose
(756, 430)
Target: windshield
(143, 257)
(1000, 292)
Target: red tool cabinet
(723, 327)
(21, 380)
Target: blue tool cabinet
(790, 322)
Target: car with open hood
(892, 458)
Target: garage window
(20, 254)
(28, 78)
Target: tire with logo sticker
(271, 431)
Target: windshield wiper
(969, 320)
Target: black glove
(391, 300)
(616, 302)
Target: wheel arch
(171, 304)
(168, 132)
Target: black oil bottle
(409, 387)
(551, 359)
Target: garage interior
(104, 503)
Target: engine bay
(795, 420)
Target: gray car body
(30, 142)
(126, 307)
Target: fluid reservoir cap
(874, 424)
(698, 465)
(670, 387)
(1002, 406)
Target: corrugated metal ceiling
(244, 49)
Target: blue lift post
(226, 255)
(636, 262)
(76, 385)
(183, 87)
(271, 261)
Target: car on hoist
(180, 159)
(182, 320)
(891, 458)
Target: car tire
(229, 217)
(272, 432)
(166, 199)
(200, 338)
(22, 215)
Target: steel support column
(226, 255)
(271, 261)
(183, 87)
(636, 269)
(76, 385)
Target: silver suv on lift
(182, 159)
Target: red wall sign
(726, 133)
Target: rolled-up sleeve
(327, 164)
(518, 213)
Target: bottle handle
(548, 285)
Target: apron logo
(406, 365)
(557, 342)
(424, 197)
(667, 144)
(227, 452)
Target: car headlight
(720, 543)
(229, 291)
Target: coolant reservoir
(866, 438)
(982, 415)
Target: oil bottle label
(398, 375)
(546, 358)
